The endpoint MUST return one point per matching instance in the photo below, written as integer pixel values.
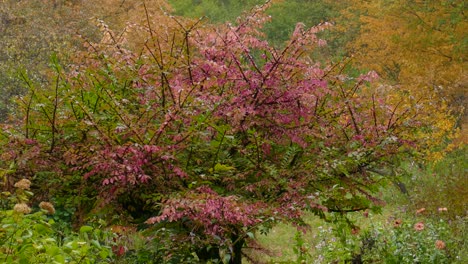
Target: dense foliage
(420, 48)
(202, 135)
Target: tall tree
(419, 47)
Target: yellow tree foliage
(419, 48)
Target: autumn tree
(419, 48)
(211, 131)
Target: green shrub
(408, 241)
(28, 235)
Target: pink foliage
(131, 164)
(229, 77)
(211, 213)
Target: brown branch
(54, 112)
(28, 104)
(148, 20)
(389, 124)
(374, 114)
(348, 106)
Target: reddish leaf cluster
(209, 213)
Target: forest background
(194, 131)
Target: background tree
(32, 31)
(419, 47)
(27, 40)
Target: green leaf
(226, 258)
(86, 229)
(24, 260)
(104, 253)
(59, 259)
(41, 229)
(53, 250)
(27, 234)
(221, 167)
(96, 243)
(70, 245)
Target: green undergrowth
(424, 223)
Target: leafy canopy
(211, 129)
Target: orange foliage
(419, 48)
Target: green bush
(408, 241)
(32, 236)
(156, 246)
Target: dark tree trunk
(209, 253)
(205, 254)
(238, 244)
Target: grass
(278, 245)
